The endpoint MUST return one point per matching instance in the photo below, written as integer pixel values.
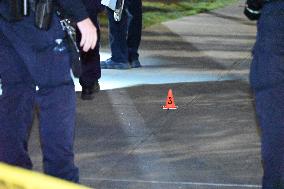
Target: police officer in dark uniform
(267, 81)
(35, 70)
(125, 37)
(91, 69)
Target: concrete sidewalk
(125, 140)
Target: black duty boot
(88, 92)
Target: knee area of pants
(45, 87)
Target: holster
(43, 14)
(16, 10)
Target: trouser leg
(117, 36)
(16, 107)
(270, 110)
(135, 29)
(16, 114)
(266, 78)
(56, 100)
(57, 122)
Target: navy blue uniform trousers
(267, 81)
(27, 60)
(125, 35)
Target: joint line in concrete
(173, 182)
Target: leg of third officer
(134, 32)
(118, 40)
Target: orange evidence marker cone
(170, 103)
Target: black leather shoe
(88, 92)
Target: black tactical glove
(253, 9)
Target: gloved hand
(253, 9)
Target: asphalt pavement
(125, 140)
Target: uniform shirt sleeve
(74, 8)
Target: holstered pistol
(43, 14)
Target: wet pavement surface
(125, 140)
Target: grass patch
(155, 12)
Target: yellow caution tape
(17, 178)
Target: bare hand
(88, 33)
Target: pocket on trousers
(53, 67)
